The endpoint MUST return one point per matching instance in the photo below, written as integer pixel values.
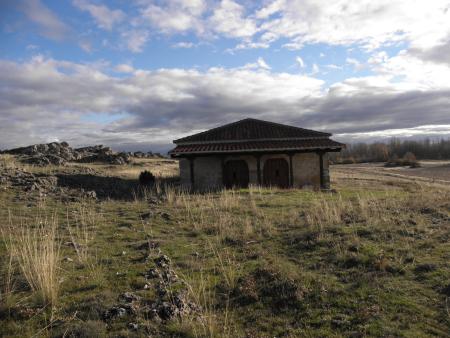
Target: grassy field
(371, 259)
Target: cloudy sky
(135, 74)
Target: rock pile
(44, 184)
(103, 154)
(169, 304)
(140, 154)
(60, 153)
(27, 181)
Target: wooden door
(235, 174)
(276, 173)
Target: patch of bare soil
(439, 172)
(431, 172)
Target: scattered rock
(128, 297)
(153, 273)
(89, 194)
(115, 312)
(133, 326)
(163, 262)
(166, 310)
(168, 304)
(161, 289)
(28, 181)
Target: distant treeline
(383, 152)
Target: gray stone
(128, 297)
(163, 261)
(115, 312)
(133, 326)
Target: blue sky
(137, 74)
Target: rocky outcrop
(60, 153)
(44, 184)
(27, 181)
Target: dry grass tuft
(36, 249)
(83, 230)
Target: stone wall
(208, 170)
(185, 173)
(306, 170)
(207, 173)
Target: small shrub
(146, 178)
(409, 159)
(349, 160)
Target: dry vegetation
(371, 259)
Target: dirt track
(431, 171)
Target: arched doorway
(235, 174)
(276, 172)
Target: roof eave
(266, 150)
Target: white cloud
(175, 15)
(248, 45)
(51, 26)
(229, 19)
(300, 62)
(430, 131)
(135, 39)
(356, 64)
(183, 44)
(263, 64)
(423, 26)
(85, 45)
(124, 68)
(272, 8)
(410, 69)
(47, 98)
(260, 64)
(315, 69)
(105, 18)
(333, 66)
(365, 22)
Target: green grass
(260, 263)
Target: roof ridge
(214, 129)
(258, 121)
(289, 126)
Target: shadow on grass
(104, 186)
(108, 187)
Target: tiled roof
(257, 146)
(251, 129)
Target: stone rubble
(59, 154)
(168, 304)
(44, 184)
(27, 181)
